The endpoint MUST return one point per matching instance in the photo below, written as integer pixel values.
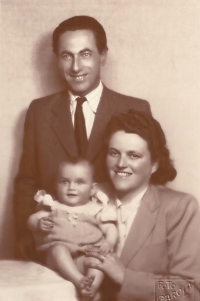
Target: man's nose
(76, 64)
(122, 162)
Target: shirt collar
(133, 205)
(92, 97)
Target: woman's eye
(112, 153)
(134, 156)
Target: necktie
(80, 128)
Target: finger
(47, 223)
(96, 255)
(86, 248)
(96, 266)
(45, 218)
(45, 230)
(50, 219)
(93, 254)
(102, 251)
(48, 227)
(102, 247)
(105, 253)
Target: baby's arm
(37, 221)
(111, 235)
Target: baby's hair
(75, 161)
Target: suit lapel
(103, 115)
(142, 225)
(62, 124)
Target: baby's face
(75, 184)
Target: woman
(159, 228)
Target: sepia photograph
(100, 171)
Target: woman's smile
(123, 174)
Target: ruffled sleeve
(44, 200)
(108, 212)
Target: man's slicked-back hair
(150, 130)
(81, 23)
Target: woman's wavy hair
(150, 130)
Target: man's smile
(78, 78)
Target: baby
(85, 222)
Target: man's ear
(94, 189)
(154, 167)
(103, 57)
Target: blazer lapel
(62, 124)
(142, 225)
(103, 115)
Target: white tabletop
(29, 281)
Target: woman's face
(129, 163)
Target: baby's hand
(105, 248)
(87, 248)
(45, 225)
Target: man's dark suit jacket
(49, 139)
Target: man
(68, 123)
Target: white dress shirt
(89, 107)
(126, 214)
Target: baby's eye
(79, 182)
(65, 182)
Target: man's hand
(45, 225)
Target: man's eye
(66, 56)
(86, 54)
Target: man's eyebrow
(82, 51)
(66, 52)
(85, 50)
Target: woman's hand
(110, 265)
(105, 248)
